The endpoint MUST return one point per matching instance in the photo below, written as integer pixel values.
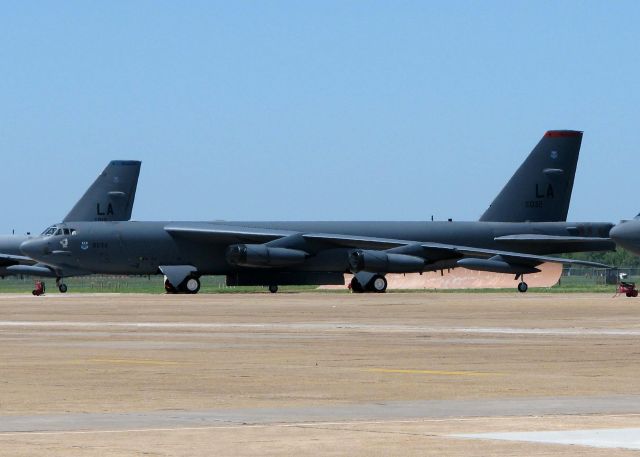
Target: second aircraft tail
(540, 190)
(111, 196)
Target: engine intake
(260, 255)
(384, 262)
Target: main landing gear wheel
(191, 285)
(523, 287)
(169, 288)
(355, 286)
(273, 288)
(378, 284)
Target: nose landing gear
(62, 287)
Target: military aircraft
(109, 198)
(524, 224)
(626, 234)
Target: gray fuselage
(142, 247)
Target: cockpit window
(59, 232)
(49, 231)
(65, 231)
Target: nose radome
(627, 235)
(623, 231)
(32, 248)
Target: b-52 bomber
(109, 198)
(524, 224)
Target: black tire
(273, 288)
(169, 288)
(34, 292)
(356, 287)
(62, 287)
(191, 285)
(523, 287)
(377, 284)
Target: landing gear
(190, 285)
(273, 288)
(62, 287)
(522, 287)
(377, 283)
(169, 288)
(355, 286)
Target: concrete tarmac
(319, 373)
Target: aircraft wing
(362, 242)
(591, 243)
(510, 256)
(22, 265)
(441, 250)
(7, 260)
(225, 233)
(549, 238)
(233, 234)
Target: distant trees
(618, 258)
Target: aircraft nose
(33, 248)
(627, 235)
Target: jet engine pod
(496, 264)
(384, 262)
(32, 270)
(260, 255)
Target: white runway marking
(319, 424)
(392, 411)
(624, 438)
(329, 326)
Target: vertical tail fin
(540, 190)
(111, 196)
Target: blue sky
(313, 110)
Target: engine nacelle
(32, 270)
(260, 255)
(496, 264)
(384, 262)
